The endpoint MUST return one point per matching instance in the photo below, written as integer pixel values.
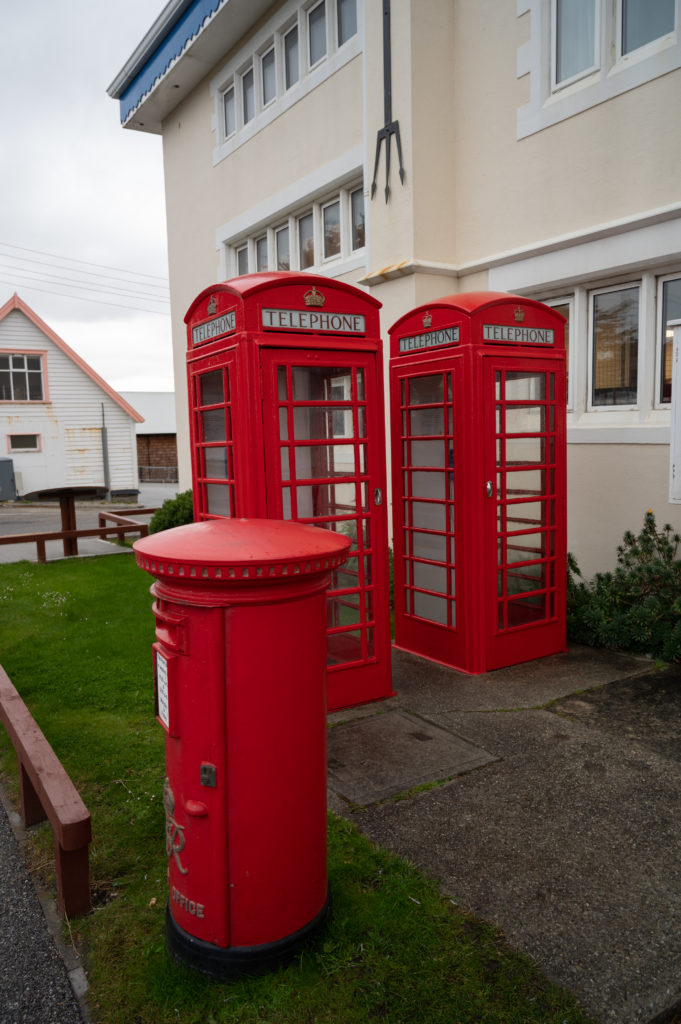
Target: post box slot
(170, 629)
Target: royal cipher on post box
(287, 422)
(477, 392)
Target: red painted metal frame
(480, 556)
(237, 448)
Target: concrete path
(554, 815)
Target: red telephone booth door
(524, 510)
(430, 615)
(323, 467)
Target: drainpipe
(105, 456)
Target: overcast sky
(82, 198)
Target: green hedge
(638, 606)
(174, 512)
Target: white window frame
(607, 290)
(336, 22)
(569, 301)
(309, 10)
(24, 451)
(340, 263)
(27, 354)
(334, 201)
(233, 89)
(269, 49)
(282, 36)
(257, 242)
(638, 52)
(615, 73)
(248, 69)
(675, 418)
(293, 14)
(659, 328)
(556, 85)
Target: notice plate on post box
(162, 694)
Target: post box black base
(227, 963)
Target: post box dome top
(241, 549)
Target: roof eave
(179, 72)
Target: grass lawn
(75, 638)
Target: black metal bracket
(390, 127)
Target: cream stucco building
(540, 153)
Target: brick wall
(156, 450)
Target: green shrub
(638, 606)
(174, 512)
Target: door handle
(378, 496)
(489, 489)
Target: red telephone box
(477, 388)
(287, 422)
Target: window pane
(357, 215)
(316, 21)
(575, 35)
(347, 20)
(331, 216)
(291, 64)
(5, 386)
(564, 310)
(269, 81)
(248, 91)
(261, 254)
(671, 310)
(35, 387)
(615, 351)
(306, 241)
(23, 442)
(242, 260)
(424, 390)
(212, 389)
(283, 249)
(230, 112)
(218, 499)
(645, 20)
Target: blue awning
(168, 49)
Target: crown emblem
(519, 314)
(313, 297)
(427, 319)
(212, 305)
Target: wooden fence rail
(120, 525)
(46, 791)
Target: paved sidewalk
(557, 817)
(36, 985)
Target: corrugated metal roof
(158, 409)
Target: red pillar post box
(477, 391)
(239, 664)
(286, 411)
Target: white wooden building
(60, 423)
